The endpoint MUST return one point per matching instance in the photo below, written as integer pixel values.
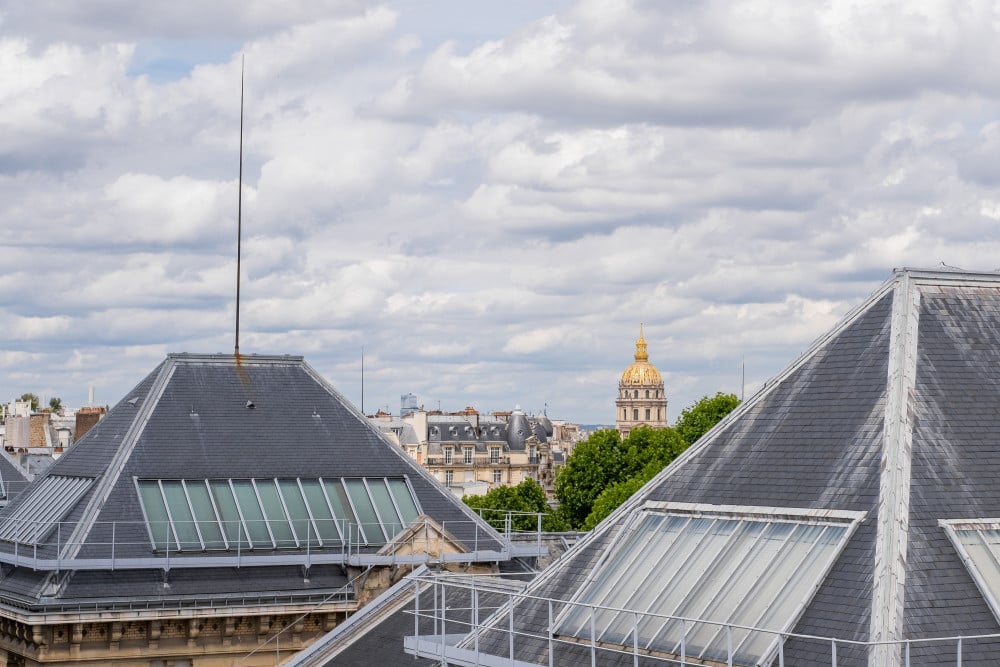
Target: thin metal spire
(743, 376)
(239, 212)
(362, 379)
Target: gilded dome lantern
(641, 399)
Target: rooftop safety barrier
(458, 628)
(164, 546)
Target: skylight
(218, 514)
(751, 567)
(978, 543)
(42, 508)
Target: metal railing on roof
(129, 545)
(490, 635)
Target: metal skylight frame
(659, 530)
(405, 510)
(43, 507)
(982, 560)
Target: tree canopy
(526, 497)
(55, 404)
(697, 419)
(31, 398)
(605, 459)
(606, 469)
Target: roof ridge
(108, 479)
(639, 497)
(229, 359)
(397, 450)
(888, 582)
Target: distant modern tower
(641, 399)
(407, 404)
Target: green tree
(605, 459)
(55, 404)
(616, 494)
(605, 469)
(697, 419)
(526, 497)
(33, 398)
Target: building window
(659, 413)
(449, 477)
(497, 476)
(624, 413)
(647, 393)
(533, 454)
(647, 414)
(635, 394)
(275, 513)
(494, 455)
(736, 550)
(467, 455)
(49, 501)
(447, 455)
(976, 541)
(635, 414)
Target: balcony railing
(472, 633)
(127, 545)
(459, 461)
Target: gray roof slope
(956, 467)
(189, 420)
(12, 475)
(819, 436)
(382, 643)
(822, 421)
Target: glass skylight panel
(978, 543)
(298, 512)
(404, 500)
(229, 513)
(253, 515)
(274, 512)
(42, 507)
(192, 515)
(728, 566)
(205, 514)
(326, 525)
(364, 509)
(385, 506)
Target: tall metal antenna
(362, 379)
(743, 376)
(239, 212)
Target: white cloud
(490, 217)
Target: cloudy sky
(488, 197)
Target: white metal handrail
(423, 541)
(458, 641)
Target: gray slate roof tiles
(189, 420)
(815, 437)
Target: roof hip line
(894, 483)
(107, 481)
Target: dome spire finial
(640, 346)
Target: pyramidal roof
(856, 496)
(212, 463)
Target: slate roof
(190, 418)
(894, 413)
(379, 639)
(12, 476)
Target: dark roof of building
(213, 417)
(12, 476)
(891, 420)
(375, 635)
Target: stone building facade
(642, 400)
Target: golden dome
(641, 373)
